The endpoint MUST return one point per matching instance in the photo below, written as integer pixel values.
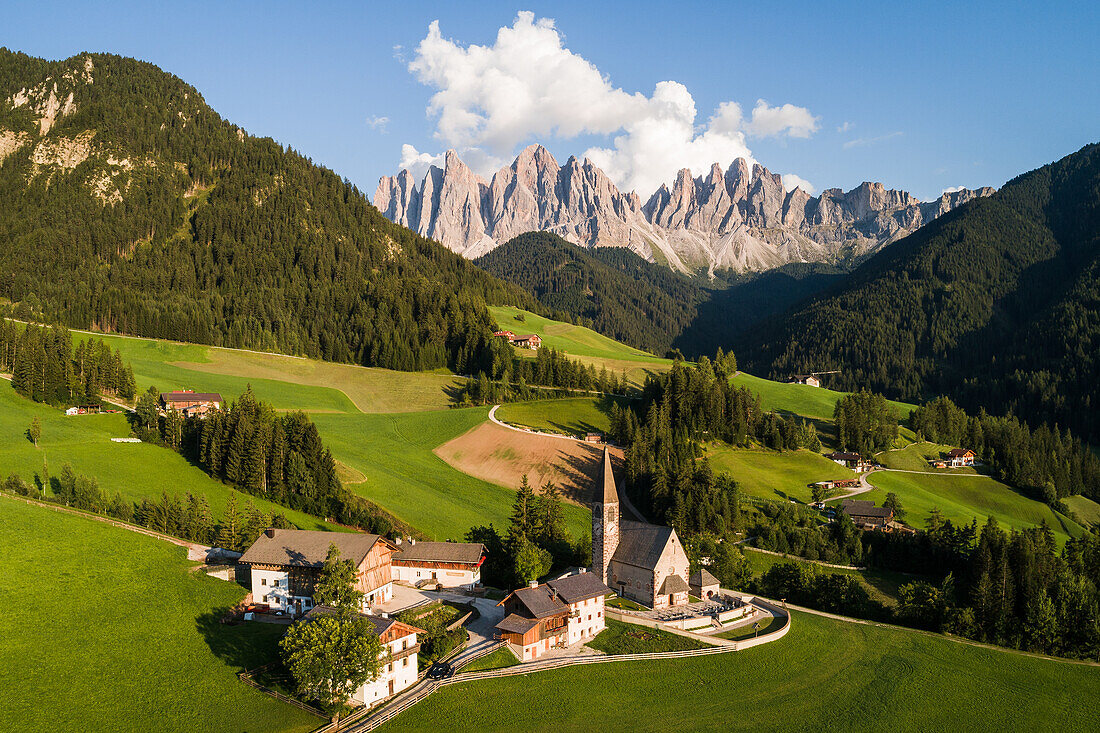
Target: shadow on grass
(244, 645)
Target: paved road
(482, 629)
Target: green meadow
(109, 630)
(882, 585)
(571, 416)
(772, 475)
(963, 498)
(823, 675)
(915, 458)
(394, 453)
(801, 399)
(135, 470)
(1087, 510)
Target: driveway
(482, 629)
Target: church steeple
(605, 519)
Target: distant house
(190, 403)
(525, 341)
(529, 341)
(555, 614)
(285, 565)
(703, 584)
(866, 515)
(399, 657)
(960, 457)
(850, 460)
(451, 564)
(809, 379)
(592, 437)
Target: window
(265, 599)
(404, 644)
(276, 583)
(263, 581)
(405, 662)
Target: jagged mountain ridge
(741, 219)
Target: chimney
(270, 532)
(397, 542)
(533, 584)
(385, 615)
(412, 541)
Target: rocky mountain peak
(739, 218)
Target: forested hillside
(614, 291)
(609, 289)
(996, 304)
(130, 205)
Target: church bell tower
(605, 520)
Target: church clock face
(671, 570)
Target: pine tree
(229, 531)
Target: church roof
(641, 544)
(673, 584)
(607, 491)
(703, 578)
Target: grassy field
(915, 458)
(584, 344)
(881, 584)
(1087, 510)
(801, 399)
(498, 659)
(572, 416)
(823, 675)
(620, 638)
(287, 382)
(748, 632)
(403, 475)
(135, 470)
(964, 498)
(771, 475)
(109, 630)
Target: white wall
(274, 585)
(403, 673)
(589, 622)
(447, 578)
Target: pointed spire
(609, 491)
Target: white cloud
(952, 189)
(417, 163)
(791, 182)
(845, 127)
(860, 141)
(527, 87)
(378, 123)
(787, 119)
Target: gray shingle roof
(673, 584)
(461, 552)
(580, 587)
(307, 548)
(607, 491)
(641, 544)
(702, 578)
(514, 624)
(190, 396)
(540, 602)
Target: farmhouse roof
(641, 544)
(468, 553)
(514, 624)
(381, 625)
(307, 548)
(573, 588)
(673, 584)
(607, 490)
(540, 601)
(703, 578)
(843, 456)
(190, 397)
(866, 509)
(959, 452)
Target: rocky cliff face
(737, 219)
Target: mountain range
(740, 219)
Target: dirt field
(501, 456)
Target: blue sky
(920, 96)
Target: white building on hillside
(450, 564)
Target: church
(642, 562)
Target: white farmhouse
(285, 565)
(450, 564)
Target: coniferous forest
(994, 305)
(154, 216)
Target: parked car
(440, 671)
